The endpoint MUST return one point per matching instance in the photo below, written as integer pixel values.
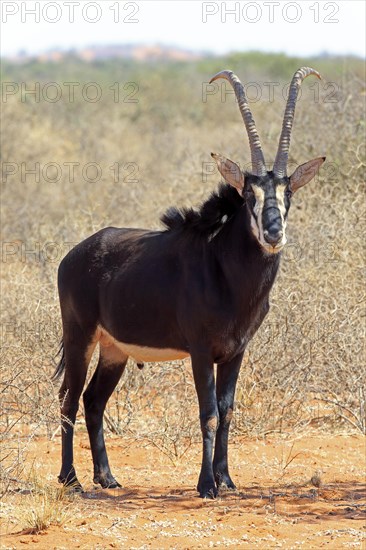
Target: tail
(62, 363)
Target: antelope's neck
(247, 267)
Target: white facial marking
(256, 224)
(141, 353)
(258, 207)
(280, 196)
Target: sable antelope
(198, 288)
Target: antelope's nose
(273, 237)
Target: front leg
(227, 376)
(203, 373)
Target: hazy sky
(304, 27)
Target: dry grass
(44, 507)
(40, 507)
(306, 364)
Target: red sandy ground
(276, 505)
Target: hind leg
(78, 350)
(107, 374)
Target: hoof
(107, 482)
(73, 485)
(207, 491)
(225, 482)
(211, 494)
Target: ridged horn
(258, 164)
(280, 163)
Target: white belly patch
(140, 353)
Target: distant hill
(139, 52)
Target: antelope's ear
(230, 171)
(305, 173)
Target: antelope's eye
(288, 193)
(249, 197)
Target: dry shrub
(42, 507)
(306, 364)
(157, 406)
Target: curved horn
(258, 164)
(280, 163)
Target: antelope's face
(268, 201)
(267, 198)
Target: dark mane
(209, 218)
